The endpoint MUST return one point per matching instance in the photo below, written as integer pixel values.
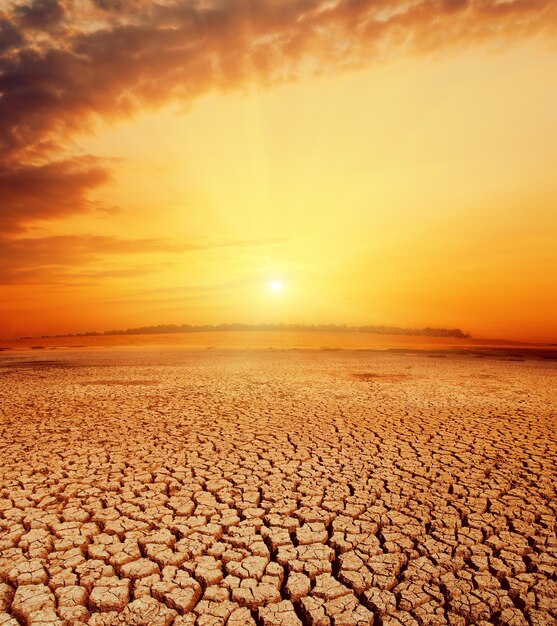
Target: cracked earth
(284, 488)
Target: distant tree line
(203, 328)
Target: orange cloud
(145, 54)
(55, 259)
(36, 192)
(42, 260)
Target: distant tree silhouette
(237, 326)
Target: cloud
(115, 6)
(53, 259)
(10, 36)
(114, 57)
(36, 192)
(41, 14)
(143, 55)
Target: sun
(276, 286)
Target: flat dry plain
(347, 488)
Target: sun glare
(276, 285)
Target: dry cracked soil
(276, 488)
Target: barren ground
(156, 487)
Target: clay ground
(343, 488)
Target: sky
(299, 161)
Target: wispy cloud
(55, 259)
(52, 259)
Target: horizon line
(383, 329)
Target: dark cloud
(111, 5)
(135, 55)
(41, 14)
(29, 193)
(156, 53)
(10, 37)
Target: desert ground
(152, 486)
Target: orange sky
(389, 162)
